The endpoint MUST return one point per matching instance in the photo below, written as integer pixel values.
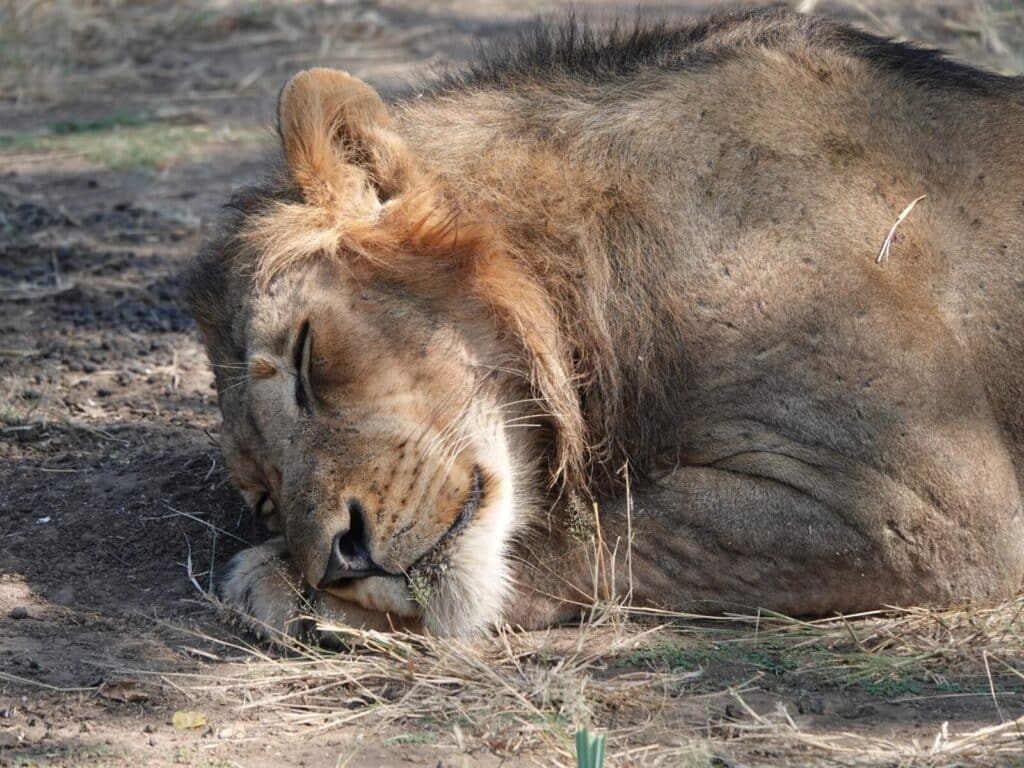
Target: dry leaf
(186, 718)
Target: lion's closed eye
(267, 511)
(262, 504)
(301, 356)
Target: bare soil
(115, 509)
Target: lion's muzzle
(350, 553)
(466, 515)
(350, 557)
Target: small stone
(19, 612)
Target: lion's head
(374, 365)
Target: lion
(642, 315)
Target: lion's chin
(461, 599)
(380, 594)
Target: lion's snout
(349, 556)
(352, 527)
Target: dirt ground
(123, 127)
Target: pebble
(19, 612)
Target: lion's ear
(338, 140)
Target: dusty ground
(123, 127)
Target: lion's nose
(350, 554)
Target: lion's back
(685, 180)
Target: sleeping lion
(695, 316)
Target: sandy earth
(110, 477)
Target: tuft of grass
(420, 588)
(23, 406)
(670, 654)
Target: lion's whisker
(524, 417)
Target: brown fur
(657, 249)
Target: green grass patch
(666, 655)
(670, 656)
(130, 141)
(113, 122)
(419, 737)
(881, 675)
(63, 756)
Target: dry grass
(53, 49)
(988, 33)
(883, 252)
(653, 682)
(24, 407)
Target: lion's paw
(269, 595)
(267, 592)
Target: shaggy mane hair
(604, 414)
(571, 49)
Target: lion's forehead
(341, 305)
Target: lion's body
(697, 215)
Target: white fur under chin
(472, 593)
